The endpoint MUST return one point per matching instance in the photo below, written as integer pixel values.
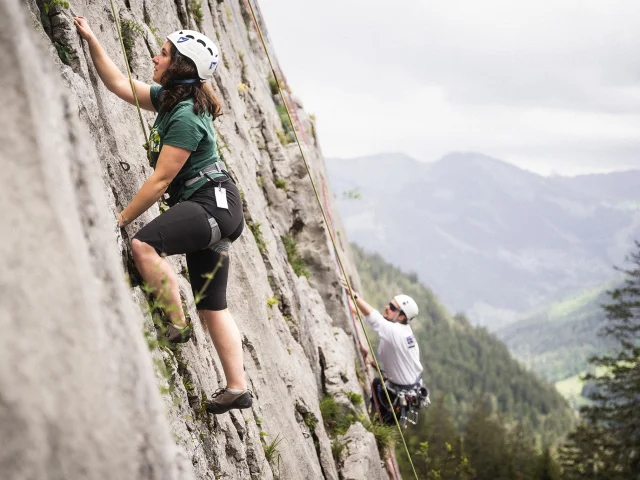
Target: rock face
(82, 395)
(361, 458)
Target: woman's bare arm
(110, 75)
(170, 162)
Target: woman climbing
(205, 214)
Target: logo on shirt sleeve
(411, 341)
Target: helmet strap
(185, 81)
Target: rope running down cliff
(297, 124)
(333, 241)
(116, 18)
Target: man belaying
(205, 214)
(398, 351)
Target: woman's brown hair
(182, 68)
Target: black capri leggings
(185, 228)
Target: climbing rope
(125, 166)
(333, 241)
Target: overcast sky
(550, 85)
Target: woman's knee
(142, 251)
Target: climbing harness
(409, 399)
(216, 167)
(333, 241)
(125, 166)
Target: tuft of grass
(271, 301)
(257, 234)
(64, 52)
(48, 4)
(281, 183)
(284, 138)
(337, 447)
(272, 450)
(284, 118)
(385, 435)
(130, 30)
(337, 419)
(354, 398)
(195, 7)
(295, 260)
(154, 31)
(273, 85)
(310, 420)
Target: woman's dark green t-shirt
(182, 127)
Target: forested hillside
(463, 362)
(556, 341)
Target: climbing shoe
(177, 334)
(223, 400)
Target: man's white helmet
(407, 305)
(199, 48)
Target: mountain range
(494, 240)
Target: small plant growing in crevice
(284, 138)
(154, 32)
(130, 30)
(271, 301)
(310, 421)
(337, 447)
(64, 52)
(281, 183)
(49, 4)
(272, 450)
(295, 260)
(273, 85)
(385, 435)
(195, 7)
(337, 418)
(354, 398)
(284, 118)
(257, 234)
(243, 66)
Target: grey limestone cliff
(82, 395)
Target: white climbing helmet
(407, 305)
(199, 48)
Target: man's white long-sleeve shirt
(398, 350)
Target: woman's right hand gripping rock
(83, 28)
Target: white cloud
(551, 85)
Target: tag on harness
(221, 197)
